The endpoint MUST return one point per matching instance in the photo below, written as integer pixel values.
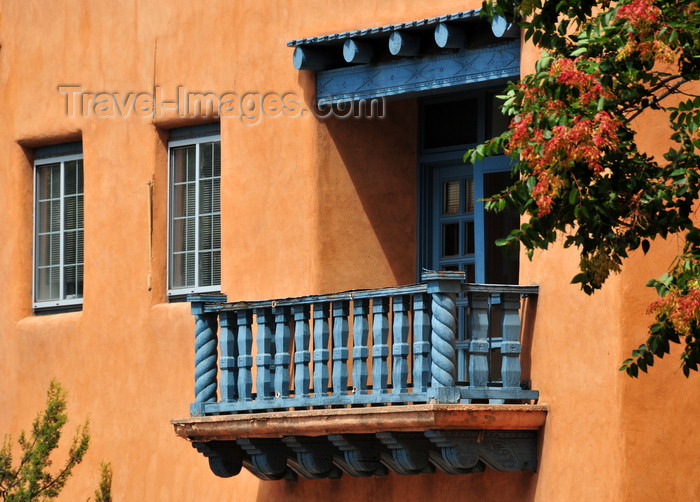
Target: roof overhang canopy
(409, 58)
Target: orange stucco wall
(309, 207)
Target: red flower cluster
(567, 72)
(641, 14)
(645, 19)
(584, 140)
(680, 308)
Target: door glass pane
(469, 194)
(450, 197)
(450, 239)
(469, 237)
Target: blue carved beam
(414, 75)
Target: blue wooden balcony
(405, 379)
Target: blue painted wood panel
(409, 76)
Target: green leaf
(579, 278)
(573, 196)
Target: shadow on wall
(367, 197)
(487, 486)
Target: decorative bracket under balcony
(455, 438)
(365, 382)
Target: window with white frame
(194, 263)
(58, 226)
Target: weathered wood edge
(367, 420)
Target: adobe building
(241, 234)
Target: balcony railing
(405, 379)
(366, 347)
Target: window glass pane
(216, 231)
(71, 281)
(79, 286)
(43, 250)
(79, 168)
(80, 218)
(70, 217)
(216, 267)
(450, 123)
(183, 164)
(216, 198)
(206, 196)
(55, 249)
(217, 158)
(183, 270)
(179, 201)
(47, 283)
(450, 239)
(205, 267)
(70, 248)
(206, 160)
(45, 181)
(43, 217)
(55, 181)
(70, 178)
(55, 223)
(206, 237)
(450, 197)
